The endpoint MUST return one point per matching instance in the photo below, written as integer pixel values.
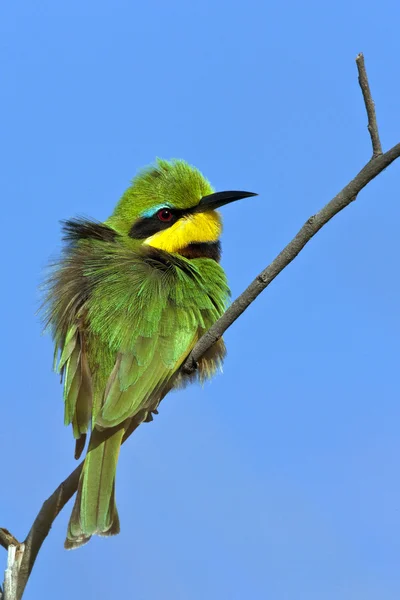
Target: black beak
(219, 199)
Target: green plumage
(124, 316)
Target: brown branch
(45, 519)
(369, 105)
(28, 551)
(309, 229)
(42, 525)
(7, 538)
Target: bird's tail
(95, 511)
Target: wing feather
(123, 319)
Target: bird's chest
(148, 303)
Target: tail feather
(95, 510)
(113, 517)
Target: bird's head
(169, 206)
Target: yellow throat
(196, 228)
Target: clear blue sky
(281, 478)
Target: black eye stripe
(147, 226)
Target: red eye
(165, 215)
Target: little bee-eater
(126, 303)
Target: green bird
(126, 303)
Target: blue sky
(280, 479)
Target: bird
(126, 302)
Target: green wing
(64, 306)
(74, 367)
(123, 320)
(149, 314)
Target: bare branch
(369, 105)
(22, 557)
(7, 539)
(45, 518)
(309, 229)
(41, 527)
(11, 575)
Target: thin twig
(309, 229)
(55, 503)
(369, 105)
